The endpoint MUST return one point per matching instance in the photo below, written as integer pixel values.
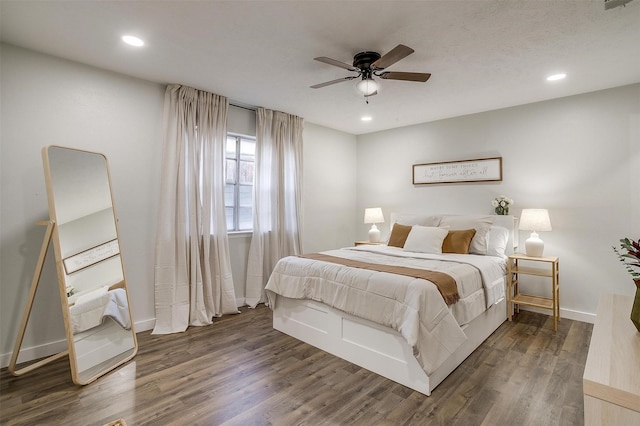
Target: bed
(374, 306)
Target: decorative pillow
(398, 235)
(498, 239)
(481, 224)
(425, 239)
(458, 241)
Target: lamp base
(534, 246)
(374, 234)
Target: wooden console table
(611, 380)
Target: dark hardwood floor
(240, 371)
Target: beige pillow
(458, 241)
(399, 235)
(482, 224)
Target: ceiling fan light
(367, 86)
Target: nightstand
(520, 264)
(365, 242)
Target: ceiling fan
(370, 64)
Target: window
(238, 193)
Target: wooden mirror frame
(84, 229)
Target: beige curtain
(193, 280)
(277, 198)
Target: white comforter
(412, 306)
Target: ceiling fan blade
(328, 83)
(407, 76)
(394, 55)
(335, 63)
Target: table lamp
(534, 220)
(373, 215)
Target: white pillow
(411, 219)
(498, 239)
(481, 224)
(425, 239)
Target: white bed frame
(379, 349)
(372, 346)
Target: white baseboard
(35, 352)
(51, 348)
(565, 313)
(145, 325)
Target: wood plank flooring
(240, 371)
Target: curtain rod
(248, 108)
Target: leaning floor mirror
(93, 288)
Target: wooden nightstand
(365, 242)
(515, 268)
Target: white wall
(47, 100)
(329, 189)
(578, 156)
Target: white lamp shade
(367, 86)
(534, 220)
(373, 215)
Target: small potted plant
(629, 255)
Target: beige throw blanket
(444, 282)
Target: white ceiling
(482, 54)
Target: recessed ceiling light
(555, 77)
(366, 118)
(133, 41)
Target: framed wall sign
(480, 170)
(91, 257)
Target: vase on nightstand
(635, 310)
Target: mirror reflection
(93, 285)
